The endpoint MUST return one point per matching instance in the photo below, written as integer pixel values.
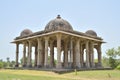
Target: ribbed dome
(91, 32)
(58, 24)
(25, 32)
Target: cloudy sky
(102, 16)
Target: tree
(12, 63)
(1, 60)
(118, 51)
(105, 61)
(111, 53)
(112, 56)
(8, 61)
(21, 60)
(118, 67)
(1, 64)
(112, 62)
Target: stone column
(17, 55)
(24, 54)
(66, 54)
(43, 53)
(87, 54)
(99, 55)
(74, 56)
(78, 65)
(51, 54)
(29, 64)
(92, 54)
(69, 55)
(39, 60)
(58, 65)
(81, 55)
(46, 52)
(36, 55)
(71, 52)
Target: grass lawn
(47, 75)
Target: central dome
(58, 24)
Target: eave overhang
(98, 39)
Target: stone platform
(60, 71)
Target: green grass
(47, 75)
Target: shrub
(118, 67)
(112, 62)
(1, 65)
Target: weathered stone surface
(91, 32)
(59, 34)
(25, 32)
(58, 24)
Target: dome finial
(58, 17)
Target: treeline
(7, 63)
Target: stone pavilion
(74, 49)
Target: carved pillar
(83, 60)
(39, 61)
(43, 53)
(17, 54)
(78, 65)
(29, 64)
(99, 55)
(71, 52)
(74, 56)
(36, 55)
(66, 54)
(92, 54)
(24, 54)
(46, 52)
(81, 55)
(58, 51)
(51, 53)
(87, 54)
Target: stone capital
(38, 39)
(24, 42)
(46, 38)
(29, 41)
(66, 40)
(51, 41)
(58, 35)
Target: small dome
(25, 32)
(58, 24)
(91, 32)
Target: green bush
(112, 62)
(118, 67)
(1, 65)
